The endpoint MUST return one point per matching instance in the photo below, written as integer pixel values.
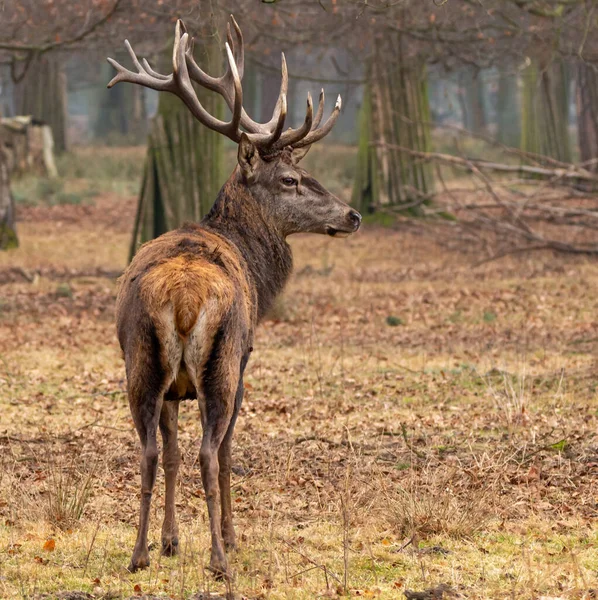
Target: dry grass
(452, 448)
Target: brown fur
(186, 284)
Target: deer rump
(187, 297)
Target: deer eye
(289, 181)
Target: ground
(409, 422)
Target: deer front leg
(169, 417)
(224, 460)
(145, 410)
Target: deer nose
(355, 218)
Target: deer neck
(237, 216)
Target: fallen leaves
(331, 387)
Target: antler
(268, 137)
(317, 133)
(179, 84)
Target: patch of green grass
(456, 317)
(489, 316)
(393, 321)
(101, 165)
(9, 237)
(34, 191)
(64, 290)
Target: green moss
(8, 237)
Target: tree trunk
(119, 110)
(8, 232)
(42, 94)
(395, 112)
(507, 110)
(29, 147)
(545, 111)
(555, 93)
(183, 168)
(587, 114)
(471, 98)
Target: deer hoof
(219, 569)
(137, 565)
(230, 545)
(170, 547)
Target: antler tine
(147, 68)
(238, 49)
(238, 105)
(282, 115)
(278, 115)
(284, 90)
(187, 93)
(200, 76)
(141, 77)
(177, 46)
(318, 134)
(291, 136)
(320, 111)
(267, 141)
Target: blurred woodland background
(420, 416)
(508, 88)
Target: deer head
(291, 200)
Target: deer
(189, 302)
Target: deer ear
(248, 157)
(299, 153)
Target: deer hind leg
(145, 409)
(151, 369)
(218, 378)
(224, 461)
(169, 417)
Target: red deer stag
(190, 300)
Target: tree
(471, 98)
(507, 109)
(8, 232)
(545, 111)
(395, 113)
(41, 93)
(587, 114)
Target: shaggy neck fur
(237, 216)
